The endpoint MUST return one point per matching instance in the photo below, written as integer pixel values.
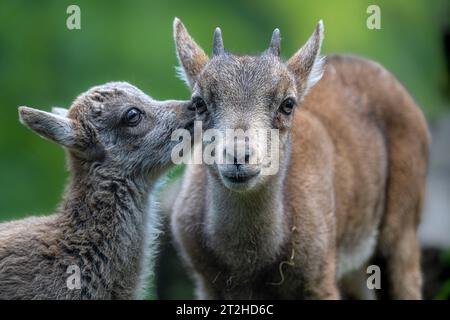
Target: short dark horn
(274, 47)
(218, 43)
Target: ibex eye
(287, 106)
(132, 117)
(199, 105)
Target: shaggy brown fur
(353, 162)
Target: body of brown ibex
(353, 153)
(98, 244)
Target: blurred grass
(43, 64)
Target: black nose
(246, 159)
(238, 159)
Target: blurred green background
(43, 64)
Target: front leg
(322, 285)
(316, 255)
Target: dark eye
(132, 117)
(287, 106)
(199, 105)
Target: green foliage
(43, 64)
(444, 293)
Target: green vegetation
(43, 64)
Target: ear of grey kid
(54, 127)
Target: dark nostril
(238, 159)
(247, 157)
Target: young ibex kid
(118, 141)
(353, 150)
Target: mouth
(239, 180)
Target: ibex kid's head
(115, 124)
(248, 93)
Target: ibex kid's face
(116, 124)
(250, 94)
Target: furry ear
(306, 63)
(53, 127)
(60, 111)
(191, 57)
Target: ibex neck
(106, 207)
(247, 230)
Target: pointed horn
(274, 46)
(218, 43)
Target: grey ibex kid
(97, 244)
(353, 150)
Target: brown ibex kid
(118, 141)
(353, 152)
